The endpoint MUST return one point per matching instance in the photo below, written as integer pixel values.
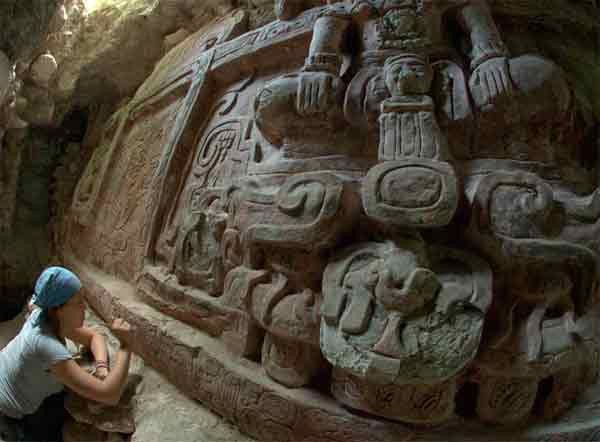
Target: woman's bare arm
(95, 342)
(107, 391)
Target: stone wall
(386, 207)
(329, 220)
(62, 62)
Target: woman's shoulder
(39, 335)
(47, 347)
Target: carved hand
(420, 287)
(316, 92)
(490, 81)
(376, 92)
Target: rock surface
(164, 414)
(43, 69)
(23, 25)
(92, 46)
(388, 225)
(74, 431)
(335, 261)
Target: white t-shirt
(25, 378)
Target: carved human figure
(388, 28)
(403, 99)
(197, 259)
(415, 185)
(408, 127)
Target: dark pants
(8, 429)
(45, 425)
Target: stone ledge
(194, 307)
(240, 391)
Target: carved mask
(407, 74)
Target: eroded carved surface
(365, 208)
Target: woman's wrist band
(101, 364)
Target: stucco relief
(369, 210)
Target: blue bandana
(54, 287)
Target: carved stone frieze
(393, 315)
(371, 203)
(198, 259)
(298, 211)
(417, 404)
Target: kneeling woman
(36, 364)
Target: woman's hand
(122, 330)
(101, 373)
(101, 369)
(107, 391)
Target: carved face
(403, 285)
(408, 76)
